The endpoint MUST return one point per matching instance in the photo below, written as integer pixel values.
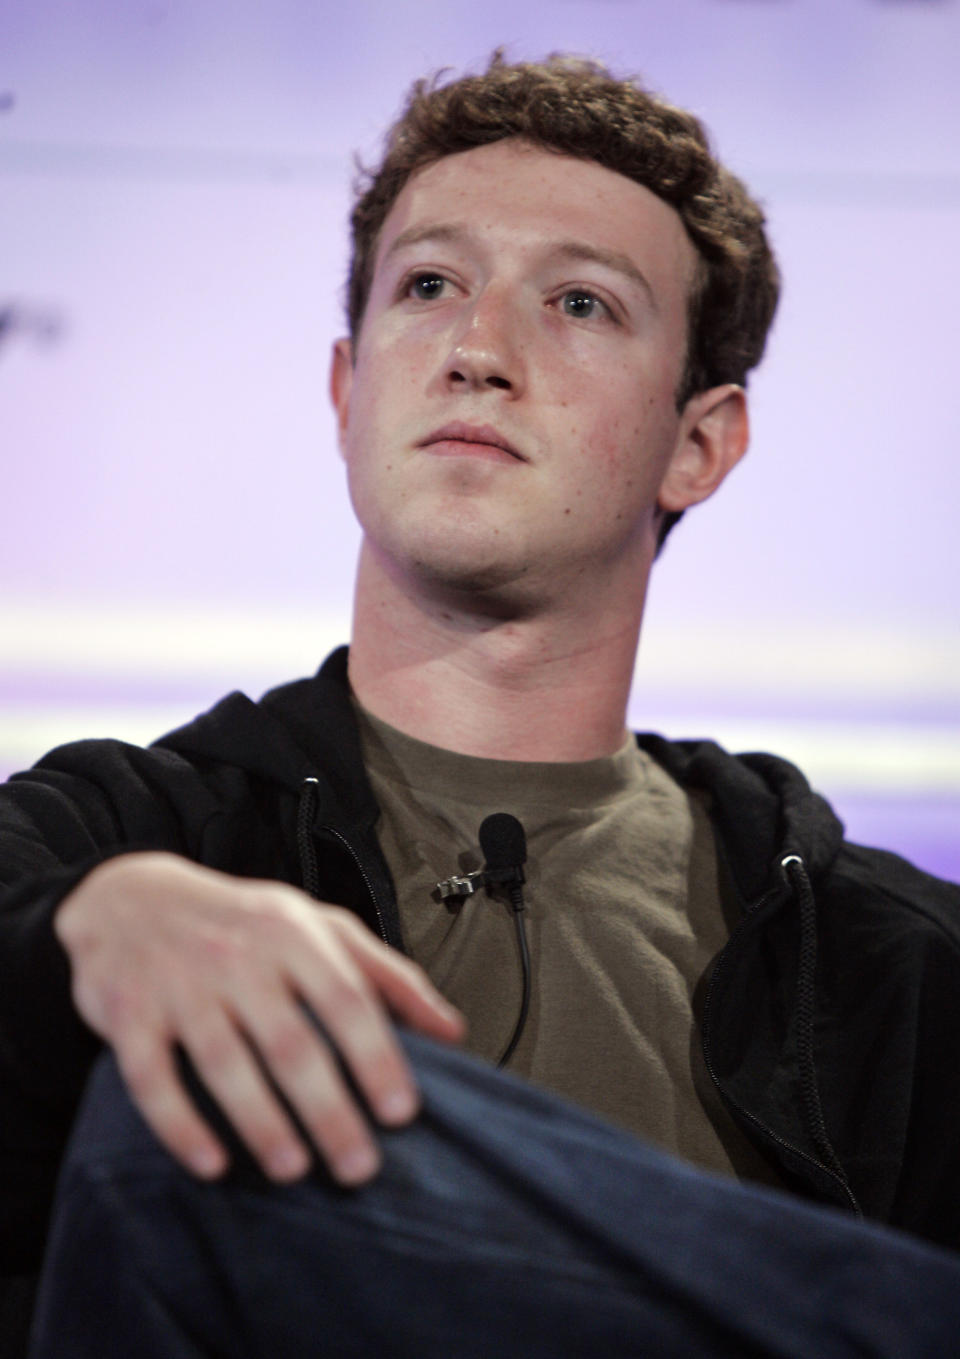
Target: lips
(476, 437)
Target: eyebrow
(436, 231)
(574, 251)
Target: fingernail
(456, 1016)
(288, 1163)
(206, 1162)
(397, 1106)
(356, 1166)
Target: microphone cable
(504, 846)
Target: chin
(448, 545)
(461, 574)
(456, 576)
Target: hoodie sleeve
(79, 806)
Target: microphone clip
(465, 884)
(461, 884)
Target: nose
(488, 350)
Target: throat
(545, 685)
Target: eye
(583, 305)
(425, 287)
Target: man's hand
(165, 952)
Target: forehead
(511, 193)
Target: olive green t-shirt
(623, 916)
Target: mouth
(458, 439)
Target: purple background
(174, 182)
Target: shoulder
(892, 896)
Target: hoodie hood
(299, 731)
(763, 807)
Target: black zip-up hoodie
(832, 1020)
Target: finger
(300, 1061)
(402, 983)
(354, 1018)
(230, 1072)
(151, 1077)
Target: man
(555, 299)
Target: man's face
(510, 414)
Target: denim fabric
(505, 1223)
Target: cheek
(376, 403)
(604, 412)
(624, 443)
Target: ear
(714, 433)
(341, 384)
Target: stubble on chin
(455, 562)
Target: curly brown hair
(574, 106)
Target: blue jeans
(504, 1223)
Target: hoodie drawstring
(306, 848)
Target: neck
(482, 678)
